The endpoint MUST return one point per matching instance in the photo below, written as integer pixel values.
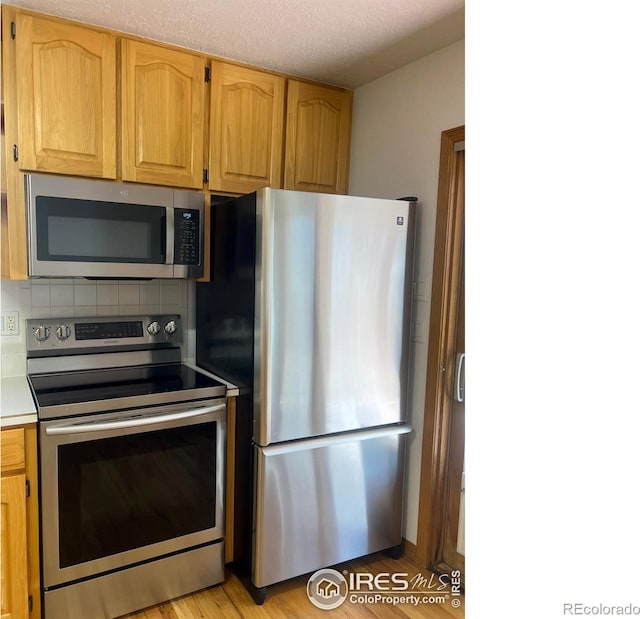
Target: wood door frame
(437, 410)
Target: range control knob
(170, 327)
(41, 333)
(153, 328)
(63, 332)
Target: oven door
(122, 488)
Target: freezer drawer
(326, 500)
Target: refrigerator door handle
(334, 439)
(459, 391)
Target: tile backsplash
(51, 298)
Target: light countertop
(16, 404)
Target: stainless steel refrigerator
(308, 311)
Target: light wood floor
(289, 600)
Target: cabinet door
(13, 537)
(247, 117)
(66, 83)
(162, 115)
(318, 138)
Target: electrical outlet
(10, 324)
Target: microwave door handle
(132, 422)
(170, 228)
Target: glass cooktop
(99, 390)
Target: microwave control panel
(187, 236)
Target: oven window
(79, 230)
(118, 494)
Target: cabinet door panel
(318, 138)
(66, 83)
(14, 548)
(162, 115)
(247, 117)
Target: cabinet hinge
(13, 30)
(30, 603)
(207, 74)
(15, 152)
(205, 176)
(28, 488)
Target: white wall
(395, 151)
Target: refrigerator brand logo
(327, 589)
(400, 221)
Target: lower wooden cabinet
(15, 588)
(19, 535)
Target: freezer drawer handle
(133, 422)
(460, 378)
(279, 449)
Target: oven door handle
(132, 422)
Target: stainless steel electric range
(131, 454)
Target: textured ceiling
(342, 42)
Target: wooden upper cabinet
(247, 118)
(163, 110)
(66, 98)
(318, 138)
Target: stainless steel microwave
(90, 228)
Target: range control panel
(62, 334)
(108, 330)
